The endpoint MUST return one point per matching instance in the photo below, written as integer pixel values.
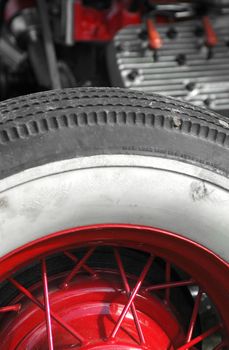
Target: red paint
(40, 305)
(128, 291)
(93, 307)
(77, 310)
(77, 267)
(90, 24)
(194, 316)
(132, 297)
(101, 25)
(155, 41)
(15, 308)
(14, 6)
(210, 34)
(201, 337)
(170, 285)
(47, 305)
(84, 266)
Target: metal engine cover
(184, 67)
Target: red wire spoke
(133, 295)
(168, 280)
(54, 316)
(16, 308)
(76, 260)
(200, 338)
(128, 291)
(190, 282)
(47, 305)
(194, 315)
(220, 346)
(78, 266)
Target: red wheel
(119, 289)
(113, 165)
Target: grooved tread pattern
(31, 115)
(26, 118)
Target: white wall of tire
(157, 192)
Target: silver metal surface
(69, 23)
(49, 45)
(201, 81)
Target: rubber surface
(64, 124)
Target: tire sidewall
(150, 191)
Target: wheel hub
(120, 288)
(93, 307)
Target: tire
(86, 156)
(120, 185)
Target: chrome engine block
(183, 68)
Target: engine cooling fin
(183, 68)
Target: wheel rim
(100, 307)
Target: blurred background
(175, 48)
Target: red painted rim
(44, 304)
